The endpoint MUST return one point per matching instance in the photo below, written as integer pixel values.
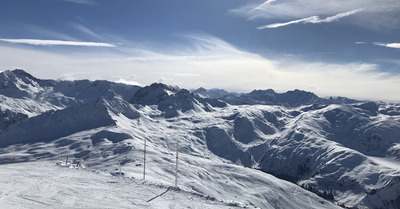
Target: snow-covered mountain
(345, 151)
(23, 95)
(213, 93)
(270, 97)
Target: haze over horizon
(339, 48)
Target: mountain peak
(169, 99)
(301, 93)
(260, 91)
(155, 86)
(23, 73)
(200, 90)
(153, 94)
(213, 93)
(17, 83)
(15, 74)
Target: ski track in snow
(200, 171)
(323, 145)
(37, 185)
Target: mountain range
(261, 149)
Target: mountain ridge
(335, 150)
(290, 98)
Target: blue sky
(340, 48)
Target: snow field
(37, 185)
(350, 151)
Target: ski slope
(39, 185)
(343, 151)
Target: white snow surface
(200, 171)
(388, 162)
(348, 152)
(38, 185)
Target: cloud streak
(264, 5)
(312, 19)
(88, 2)
(209, 62)
(39, 42)
(377, 15)
(86, 30)
(389, 45)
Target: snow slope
(23, 95)
(38, 185)
(337, 150)
(200, 171)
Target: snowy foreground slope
(45, 185)
(340, 149)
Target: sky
(345, 48)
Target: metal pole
(176, 166)
(144, 160)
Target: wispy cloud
(376, 14)
(209, 62)
(264, 5)
(129, 82)
(360, 42)
(40, 42)
(313, 19)
(48, 33)
(389, 45)
(86, 30)
(88, 2)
